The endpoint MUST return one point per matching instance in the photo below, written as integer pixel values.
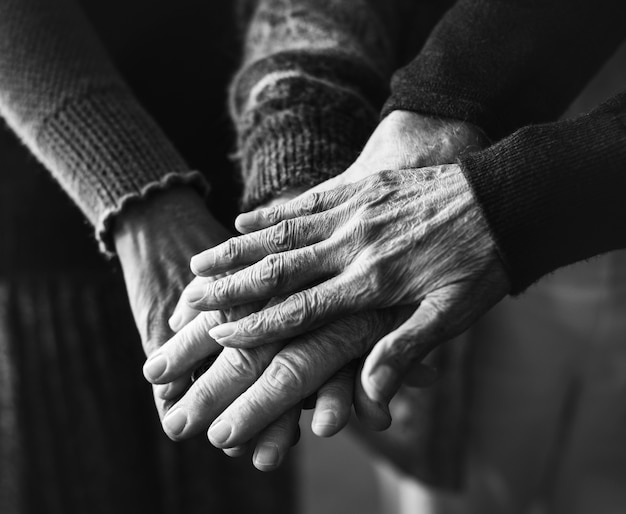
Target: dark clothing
(78, 428)
(551, 194)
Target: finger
(276, 274)
(183, 312)
(393, 356)
(298, 313)
(304, 205)
(372, 415)
(248, 249)
(232, 373)
(172, 390)
(184, 351)
(334, 402)
(297, 371)
(274, 442)
(237, 451)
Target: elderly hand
(191, 347)
(154, 239)
(403, 237)
(246, 389)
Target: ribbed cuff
(301, 118)
(553, 194)
(106, 151)
(301, 146)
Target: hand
(406, 237)
(245, 389)
(406, 139)
(334, 397)
(154, 240)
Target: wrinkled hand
(154, 239)
(197, 409)
(245, 389)
(404, 237)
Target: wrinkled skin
(362, 277)
(402, 237)
(154, 240)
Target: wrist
(406, 139)
(163, 213)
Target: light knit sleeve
(63, 98)
(313, 78)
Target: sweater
(62, 96)
(551, 193)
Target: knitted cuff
(106, 151)
(301, 146)
(301, 119)
(553, 194)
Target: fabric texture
(553, 193)
(61, 95)
(503, 64)
(549, 192)
(78, 429)
(313, 79)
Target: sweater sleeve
(553, 194)
(313, 79)
(503, 64)
(64, 99)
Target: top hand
(411, 236)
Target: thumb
(402, 350)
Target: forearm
(505, 64)
(64, 99)
(306, 98)
(553, 194)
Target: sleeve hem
(106, 221)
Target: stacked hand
(395, 261)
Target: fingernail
(202, 262)
(247, 218)
(383, 382)
(175, 421)
(175, 321)
(267, 455)
(154, 367)
(223, 330)
(324, 422)
(219, 432)
(195, 291)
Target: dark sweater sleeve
(553, 194)
(503, 64)
(63, 98)
(314, 76)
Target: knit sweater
(552, 194)
(62, 96)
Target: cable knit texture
(314, 77)
(63, 98)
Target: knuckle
(271, 271)
(311, 203)
(231, 249)
(273, 214)
(279, 238)
(284, 376)
(297, 309)
(257, 322)
(240, 363)
(220, 290)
